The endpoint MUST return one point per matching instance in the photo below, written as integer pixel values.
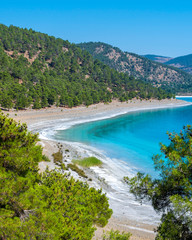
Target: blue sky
(155, 27)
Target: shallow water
(133, 137)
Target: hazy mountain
(183, 62)
(161, 59)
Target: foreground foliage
(171, 194)
(42, 206)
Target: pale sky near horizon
(142, 27)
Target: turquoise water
(133, 137)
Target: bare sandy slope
(36, 119)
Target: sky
(143, 27)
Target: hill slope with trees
(39, 70)
(156, 73)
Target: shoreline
(185, 96)
(124, 217)
(39, 118)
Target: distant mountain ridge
(140, 67)
(184, 62)
(157, 58)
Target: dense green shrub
(42, 206)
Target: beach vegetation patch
(45, 158)
(88, 162)
(116, 235)
(79, 171)
(58, 157)
(63, 167)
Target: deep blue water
(133, 137)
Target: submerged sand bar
(128, 214)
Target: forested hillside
(156, 73)
(38, 70)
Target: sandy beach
(33, 118)
(125, 218)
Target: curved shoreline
(125, 216)
(50, 117)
